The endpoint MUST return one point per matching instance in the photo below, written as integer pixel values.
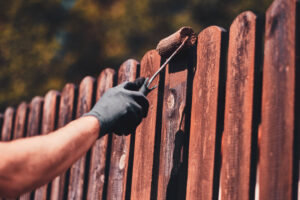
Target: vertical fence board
(48, 125)
(8, 122)
(145, 135)
(20, 121)
(66, 110)
(99, 150)
(1, 124)
(33, 127)
(204, 115)
(276, 144)
(236, 142)
(77, 172)
(173, 132)
(120, 149)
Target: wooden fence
(224, 122)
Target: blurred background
(46, 43)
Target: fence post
(277, 128)
(236, 141)
(20, 121)
(66, 114)
(99, 150)
(79, 170)
(146, 134)
(205, 126)
(8, 121)
(48, 125)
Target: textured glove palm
(121, 108)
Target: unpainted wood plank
(236, 141)
(20, 121)
(120, 148)
(8, 122)
(173, 131)
(33, 128)
(99, 150)
(145, 134)
(66, 111)
(276, 142)
(77, 173)
(204, 114)
(48, 125)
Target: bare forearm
(35, 161)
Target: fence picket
(276, 141)
(99, 150)
(8, 121)
(66, 114)
(78, 172)
(48, 125)
(120, 149)
(236, 141)
(20, 121)
(204, 113)
(33, 128)
(145, 134)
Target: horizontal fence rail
(223, 122)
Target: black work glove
(121, 108)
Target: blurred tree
(45, 43)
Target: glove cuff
(102, 124)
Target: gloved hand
(121, 108)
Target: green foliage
(46, 43)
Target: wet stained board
(48, 124)
(145, 134)
(120, 148)
(77, 180)
(236, 140)
(173, 132)
(203, 130)
(20, 121)
(8, 123)
(99, 150)
(66, 114)
(277, 127)
(33, 127)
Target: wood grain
(66, 114)
(20, 121)
(236, 141)
(145, 134)
(276, 145)
(120, 149)
(204, 114)
(78, 169)
(48, 125)
(8, 122)
(33, 128)
(99, 150)
(173, 133)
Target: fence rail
(224, 122)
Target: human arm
(31, 162)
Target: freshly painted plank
(236, 141)
(145, 135)
(99, 150)
(66, 114)
(33, 128)
(77, 181)
(8, 122)
(276, 142)
(120, 149)
(48, 125)
(204, 112)
(20, 121)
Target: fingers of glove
(135, 86)
(141, 100)
(136, 113)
